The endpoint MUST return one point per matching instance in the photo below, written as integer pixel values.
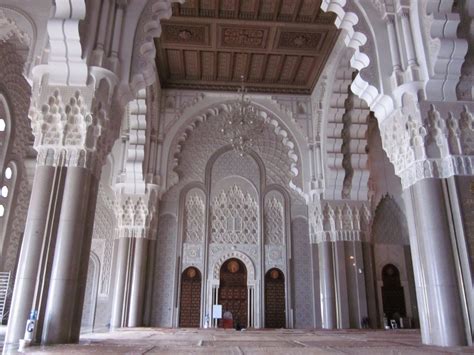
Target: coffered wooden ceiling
(279, 46)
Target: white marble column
(120, 280)
(135, 318)
(64, 283)
(85, 257)
(26, 287)
(437, 289)
(328, 297)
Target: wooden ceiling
(279, 46)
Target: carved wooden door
(190, 302)
(233, 290)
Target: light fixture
(241, 124)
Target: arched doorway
(190, 301)
(90, 294)
(233, 290)
(393, 299)
(274, 299)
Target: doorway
(274, 299)
(393, 298)
(190, 301)
(233, 295)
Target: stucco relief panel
(164, 275)
(194, 217)
(234, 217)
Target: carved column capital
(73, 125)
(338, 221)
(136, 213)
(430, 140)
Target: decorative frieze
(333, 221)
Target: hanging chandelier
(241, 124)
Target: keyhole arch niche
(243, 260)
(229, 203)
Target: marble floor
(281, 341)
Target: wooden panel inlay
(190, 301)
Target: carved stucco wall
(194, 145)
(103, 248)
(391, 246)
(275, 232)
(234, 217)
(302, 274)
(164, 275)
(390, 225)
(231, 163)
(194, 229)
(90, 298)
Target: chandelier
(241, 124)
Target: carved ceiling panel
(279, 46)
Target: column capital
(136, 213)
(73, 125)
(430, 140)
(333, 221)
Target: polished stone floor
(281, 341)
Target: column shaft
(63, 289)
(120, 280)
(135, 318)
(328, 297)
(437, 289)
(31, 253)
(85, 257)
(149, 282)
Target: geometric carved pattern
(194, 147)
(231, 163)
(104, 228)
(390, 225)
(234, 217)
(302, 274)
(164, 275)
(194, 218)
(274, 222)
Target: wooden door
(190, 301)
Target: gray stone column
(149, 282)
(64, 283)
(356, 292)
(85, 257)
(342, 301)
(328, 297)
(137, 291)
(370, 287)
(438, 296)
(31, 253)
(120, 281)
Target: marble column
(328, 297)
(31, 253)
(149, 282)
(340, 276)
(64, 283)
(120, 281)
(437, 289)
(370, 284)
(137, 290)
(85, 257)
